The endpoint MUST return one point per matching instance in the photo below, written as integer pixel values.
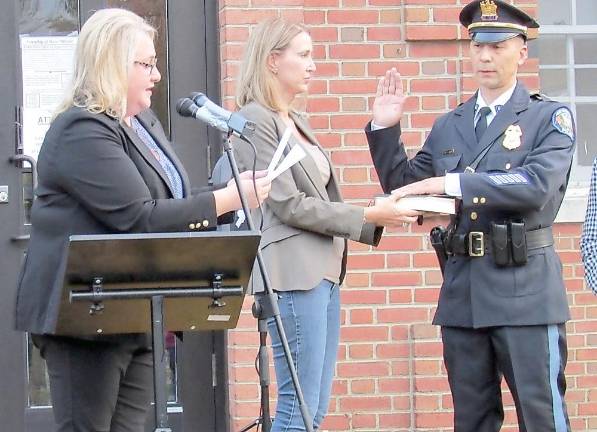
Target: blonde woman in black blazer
(305, 222)
(106, 166)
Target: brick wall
(390, 375)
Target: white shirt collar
(500, 101)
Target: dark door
(187, 48)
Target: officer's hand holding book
(426, 195)
(429, 186)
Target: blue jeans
(311, 320)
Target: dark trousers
(530, 358)
(99, 385)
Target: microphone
(234, 122)
(187, 108)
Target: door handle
(19, 159)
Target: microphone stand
(262, 310)
(273, 301)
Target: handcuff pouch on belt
(508, 243)
(500, 244)
(518, 242)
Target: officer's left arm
(540, 177)
(588, 240)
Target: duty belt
(478, 243)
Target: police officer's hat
(492, 21)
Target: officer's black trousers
(532, 361)
(99, 385)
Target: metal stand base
(262, 310)
(159, 365)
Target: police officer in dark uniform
(506, 155)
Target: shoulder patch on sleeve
(562, 121)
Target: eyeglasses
(149, 67)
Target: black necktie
(481, 126)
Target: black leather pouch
(518, 242)
(499, 244)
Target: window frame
(573, 207)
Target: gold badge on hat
(488, 11)
(512, 137)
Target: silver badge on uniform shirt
(512, 137)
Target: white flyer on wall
(47, 65)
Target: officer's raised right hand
(389, 100)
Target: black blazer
(97, 177)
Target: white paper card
(295, 154)
(280, 150)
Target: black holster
(438, 236)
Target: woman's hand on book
(385, 212)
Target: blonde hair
(105, 52)
(256, 81)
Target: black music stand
(139, 283)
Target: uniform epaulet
(540, 97)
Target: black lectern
(138, 283)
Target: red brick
(395, 420)
(367, 296)
(372, 403)
(363, 386)
(433, 49)
(394, 385)
(429, 2)
(401, 296)
(353, 16)
(383, 34)
(321, 3)
(364, 333)
(393, 351)
(433, 420)
(354, 86)
(433, 32)
(416, 15)
(397, 279)
(446, 14)
(363, 421)
(406, 69)
(436, 85)
(354, 51)
(350, 121)
(361, 316)
(355, 369)
(360, 352)
(313, 17)
(323, 34)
